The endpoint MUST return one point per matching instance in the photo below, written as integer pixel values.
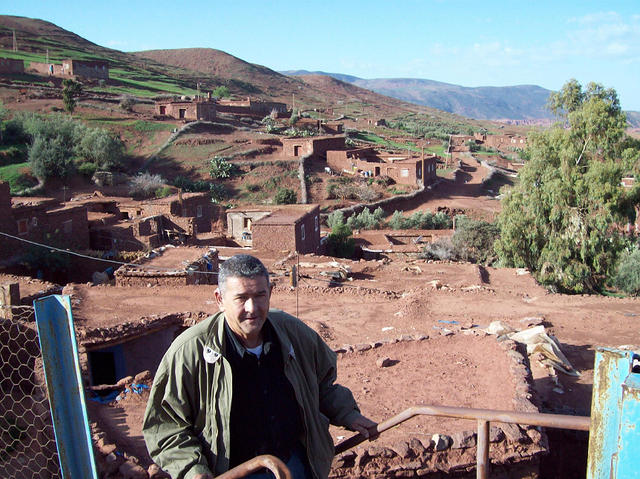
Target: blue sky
(467, 43)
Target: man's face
(245, 304)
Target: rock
(361, 457)
(143, 376)
(124, 381)
(405, 337)
(346, 459)
(463, 439)
(131, 470)
(384, 362)
(417, 447)
(440, 442)
(499, 328)
(380, 451)
(362, 347)
(513, 433)
(495, 434)
(402, 449)
(107, 449)
(535, 435)
(435, 284)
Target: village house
(251, 107)
(400, 167)
(42, 220)
(502, 142)
(277, 228)
(11, 65)
(90, 69)
(132, 226)
(203, 109)
(316, 146)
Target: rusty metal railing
(275, 465)
(483, 417)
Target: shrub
(218, 192)
(127, 103)
(220, 168)
(221, 92)
(442, 249)
(185, 184)
(163, 192)
(285, 196)
(51, 157)
(335, 218)
(627, 275)
(70, 90)
(473, 240)
(366, 220)
(339, 242)
(101, 147)
(145, 184)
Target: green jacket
(186, 423)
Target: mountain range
(519, 103)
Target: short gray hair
(240, 265)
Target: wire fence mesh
(27, 442)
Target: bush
(185, 184)
(220, 168)
(221, 92)
(99, 146)
(420, 220)
(127, 103)
(51, 158)
(335, 218)
(473, 240)
(339, 242)
(366, 220)
(285, 196)
(218, 192)
(442, 249)
(627, 275)
(145, 184)
(163, 192)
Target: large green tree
(560, 220)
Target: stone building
(192, 110)
(369, 162)
(42, 220)
(250, 107)
(278, 228)
(11, 65)
(313, 145)
(98, 69)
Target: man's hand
(364, 426)
(203, 476)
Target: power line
(104, 260)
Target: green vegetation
(221, 91)
(70, 90)
(366, 220)
(221, 168)
(473, 240)
(627, 275)
(18, 176)
(559, 220)
(429, 127)
(285, 196)
(339, 243)
(145, 185)
(423, 220)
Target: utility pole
(47, 56)
(15, 43)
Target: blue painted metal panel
(611, 369)
(64, 384)
(628, 461)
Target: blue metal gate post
(64, 384)
(614, 440)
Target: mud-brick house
(11, 65)
(370, 162)
(42, 220)
(251, 107)
(193, 110)
(86, 68)
(317, 146)
(278, 228)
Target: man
(245, 382)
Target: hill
(522, 102)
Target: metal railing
(483, 417)
(27, 441)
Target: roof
(287, 215)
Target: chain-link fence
(27, 441)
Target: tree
(221, 92)
(473, 240)
(70, 90)
(559, 220)
(627, 277)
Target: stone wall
(11, 65)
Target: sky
(468, 43)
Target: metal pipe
(561, 421)
(482, 454)
(275, 465)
